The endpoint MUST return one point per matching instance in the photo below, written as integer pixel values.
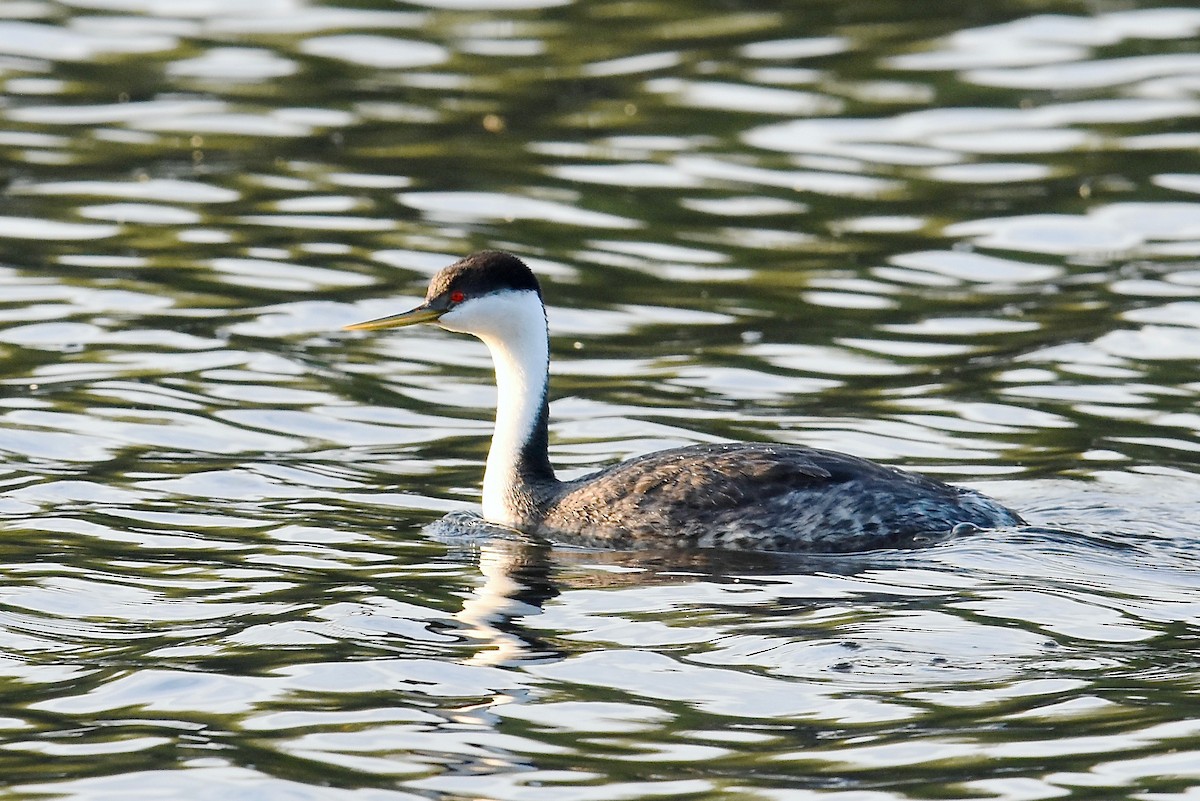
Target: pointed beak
(422, 314)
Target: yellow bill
(421, 314)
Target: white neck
(513, 326)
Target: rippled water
(966, 241)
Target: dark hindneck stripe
(534, 462)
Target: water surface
(961, 241)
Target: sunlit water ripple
(965, 244)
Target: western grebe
(737, 495)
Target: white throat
(513, 326)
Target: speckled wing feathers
(723, 478)
(758, 496)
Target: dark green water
(961, 239)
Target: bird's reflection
(522, 573)
(516, 583)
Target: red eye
(457, 297)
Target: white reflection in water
(626, 175)
(376, 51)
(204, 779)
(234, 64)
(284, 276)
(744, 97)
(57, 43)
(990, 173)
(1111, 230)
(33, 228)
(89, 114)
(213, 122)
(817, 181)
(1040, 129)
(1153, 342)
(491, 5)
(1091, 74)
(633, 65)
(477, 206)
(1049, 39)
(282, 17)
(163, 190)
(789, 49)
(143, 213)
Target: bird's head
(484, 294)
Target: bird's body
(735, 495)
(757, 496)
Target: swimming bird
(749, 495)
